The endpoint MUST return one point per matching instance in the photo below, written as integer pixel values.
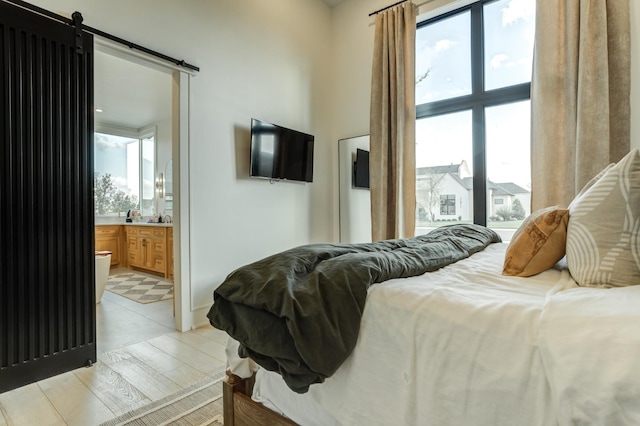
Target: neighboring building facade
(505, 195)
(446, 193)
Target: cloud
(501, 60)
(444, 44)
(105, 142)
(516, 10)
(498, 60)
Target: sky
(120, 157)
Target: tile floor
(122, 322)
(141, 358)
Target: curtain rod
(385, 8)
(418, 5)
(78, 18)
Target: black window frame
(477, 102)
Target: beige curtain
(392, 127)
(580, 106)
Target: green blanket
(298, 312)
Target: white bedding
(461, 346)
(591, 352)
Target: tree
(110, 199)
(518, 210)
(428, 192)
(504, 213)
(422, 77)
(103, 190)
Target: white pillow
(603, 235)
(591, 182)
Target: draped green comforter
(298, 312)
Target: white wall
(263, 59)
(352, 53)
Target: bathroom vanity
(147, 247)
(144, 246)
(110, 238)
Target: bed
(479, 340)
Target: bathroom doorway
(135, 98)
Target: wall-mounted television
(280, 153)
(361, 169)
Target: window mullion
(477, 52)
(494, 97)
(479, 166)
(478, 117)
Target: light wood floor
(141, 358)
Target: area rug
(140, 288)
(199, 404)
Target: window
(499, 201)
(124, 172)
(473, 80)
(447, 205)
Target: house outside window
(124, 170)
(473, 79)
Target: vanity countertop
(163, 225)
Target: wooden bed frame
(241, 410)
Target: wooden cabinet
(147, 248)
(109, 237)
(144, 247)
(132, 244)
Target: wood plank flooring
(142, 359)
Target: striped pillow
(603, 235)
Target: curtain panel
(392, 126)
(580, 95)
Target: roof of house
(509, 188)
(467, 183)
(451, 169)
(504, 188)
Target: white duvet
(467, 346)
(590, 346)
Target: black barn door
(47, 292)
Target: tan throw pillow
(603, 236)
(538, 244)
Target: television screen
(280, 153)
(361, 169)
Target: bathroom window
(124, 170)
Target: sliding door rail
(77, 21)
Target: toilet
(103, 263)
